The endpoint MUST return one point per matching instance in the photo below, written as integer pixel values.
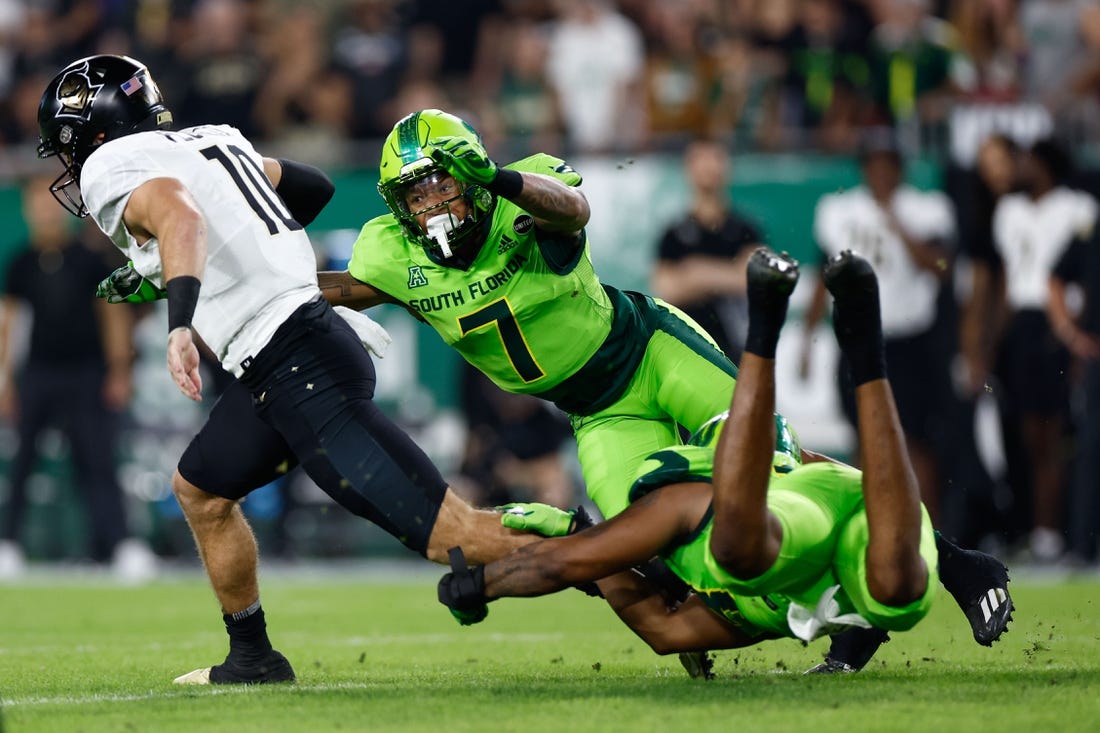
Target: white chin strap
(438, 227)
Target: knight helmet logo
(76, 92)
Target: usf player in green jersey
(772, 550)
(497, 261)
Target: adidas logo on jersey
(506, 244)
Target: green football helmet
(406, 164)
(788, 448)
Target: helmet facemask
(427, 188)
(66, 187)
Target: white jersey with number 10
(260, 265)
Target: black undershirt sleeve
(305, 190)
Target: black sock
(860, 336)
(944, 546)
(247, 631)
(767, 312)
(952, 564)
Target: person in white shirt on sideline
(906, 234)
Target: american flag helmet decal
(131, 85)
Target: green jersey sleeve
(548, 165)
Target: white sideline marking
(169, 694)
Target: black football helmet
(93, 100)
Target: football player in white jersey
(1032, 229)
(906, 234)
(202, 215)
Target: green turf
(79, 657)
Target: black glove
(462, 590)
(582, 519)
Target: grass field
(382, 655)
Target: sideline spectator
(678, 78)
(224, 68)
(989, 64)
(701, 258)
(827, 81)
(76, 376)
(595, 66)
(372, 51)
(910, 63)
(970, 511)
(1080, 332)
(1052, 41)
(1031, 231)
(524, 113)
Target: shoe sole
(778, 270)
(698, 665)
(202, 677)
(195, 677)
(846, 270)
(1001, 627)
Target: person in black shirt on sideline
(76, 375)
(702, 257)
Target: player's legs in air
(747, 537)
(977, 581)
(784, 535)
(886, 556)
(973, 578)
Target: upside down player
(795, 553)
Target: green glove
(471, 616)
(126, 285)
(464, 159)
(543, 519)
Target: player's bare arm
(626, 540)
(555, 206)
(163, 208)
(689, 626)
(341, 288)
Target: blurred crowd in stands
(993, 282)
(319, 78)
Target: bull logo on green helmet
(406, 160)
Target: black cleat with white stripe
(979, 584)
